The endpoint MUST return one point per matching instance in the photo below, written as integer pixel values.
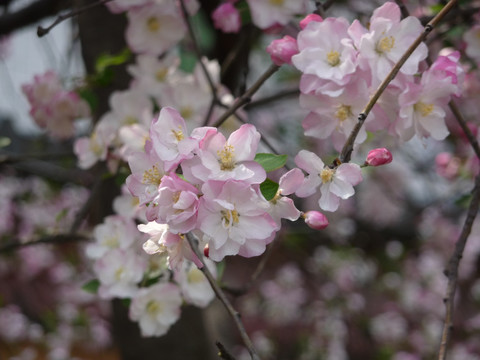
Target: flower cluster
(340, 71)
(52, 106)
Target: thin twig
(268, 99)
(452, 270)
(463, 124)
(10, 158)
(49, 239)
(222, 352)
(223, 298)
(41, 31)
(247, 96)
(348, 147)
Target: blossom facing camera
(282, 50)
(377, 157)
(316, 220)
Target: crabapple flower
(116, 232)
(316, 220)
(227, 18)
(232, 214)
(331, 57)
(282, 50)
(177, 204)
(154, 28)
(195, 288)
(221, 159)
(147, 172)
(170, 138)
(162, 240)
(335, 184)
(266, 13)
(386, 40)
(91, 149)
(377, 157)
(119, 271)
(156, 308)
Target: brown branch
(11, 158)
(222, 352)
(49, 239)
(247, 96)
(463, 124)
(452, 270)
(44, 31)
(30, 14)
(268, 99)
(223, 298)
(348, 147)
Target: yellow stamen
(422, 108)
(178, 134)
(152, 176)
(230, 217)
(153, 24)
(276, 2)
(227, 157)
(385, 44)
(333, 58)
(153, 307)
(327, 175)
(161, 74)
(343, 112)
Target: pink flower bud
(206, 251)
(227, 18)
(377, 157)
(309, 18)
(316, 220)
(282, 50)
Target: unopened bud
(227, 18)
(377, 157)
(308, 19)
(316, 220)
(206, 251)
(282, 50)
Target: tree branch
(223, 298)
(49, 239)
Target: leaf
(106, 60)
(269, 189)
(91, 286)
(89, 96)
(271, 162)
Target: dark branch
(49, 239)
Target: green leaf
(61, 215)
(271, 162)
(106, 60)
(269, 189)
(91, 286)
(89, 96)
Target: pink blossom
(195, 288)
(335, 183)
(232, 214)
(377, 157)
(227, 18)
(177, 204)
(156, 308)
(447, 165)
(331, 57)
(316, 220)
(472, 39)
(154, 28)
(222, 159)
(308, 19)
(266, 13)
(282, 50)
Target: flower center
(227, 157)
(422, 108)
(343, 112)
(178, 134)
(130, 120)
(153, 24)
(119, 274)
(195, 276)
(161, 74)
(111, 242)
(152, 176)
(276, 2)
(333, 58)
(385, 44)
(153, 307)
(326, 175)
(229, 217)
(94, 146)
